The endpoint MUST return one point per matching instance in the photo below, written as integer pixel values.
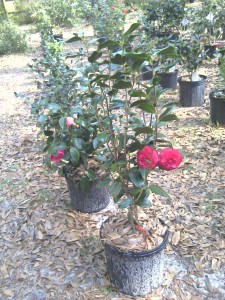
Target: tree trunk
(3, 12)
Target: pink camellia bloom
(113, 7)
(169, 159)
(69, 121)
(125, 11)
(147, 158)
(58, 157)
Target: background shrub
(12, 39)
(59, 12)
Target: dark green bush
(59, 12)
(12, 39)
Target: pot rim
(204, 78)
(135, 254)
(174, 72)
(212, 94)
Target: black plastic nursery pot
(210, 50)
(217, 107)
(192, 92)
(58, 37)
(169, 80)
(146, 73)
(135, 273)
(92, 200)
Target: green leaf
(167, 111)
(75, 38)
(107, 44)
(136, 103)
(79, 143)
(158, 190)
(132, 28)
(136, 177)
(47, 161)
(118, 59)
(168, 118)
(84, 183)
(99, 78)
(104, 182)
(115, 104)
(59, 146)
(62, 123)
(115, 188)
(91, 174)
(121, 84)
(137, 63)
(125, 203)
(75, 155)
(94, 56)
(100, 139)
(144, 105)
(54, 107)
(42, 119)
(134, 147)
(137, 93)
(171, 104)
(144, 129)
(144, 203)
(169, 51)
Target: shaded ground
(49, 251)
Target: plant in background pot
(192, 86)
(210, 43)
(217, 99)
(208, 21)
(108, 18)
(162, 18)
(132, 149)
(163, 65)
(67, 118)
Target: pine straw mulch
(50, 251)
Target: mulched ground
(50, 251)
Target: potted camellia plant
(67, 119)
(210, 45)
(164, 65)
(134, 150)
(217, 99)
(108, 19)
(192, 86)
(131, 148)
(162, 18)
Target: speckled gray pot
(136, 273)
(92, 200)
(192, 92)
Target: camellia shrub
(59, 12)
(108, 18)
(12, 39)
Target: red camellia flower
(147, 158)
(69, 121)
(169, 159)
(58, 157)
(125, 11)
